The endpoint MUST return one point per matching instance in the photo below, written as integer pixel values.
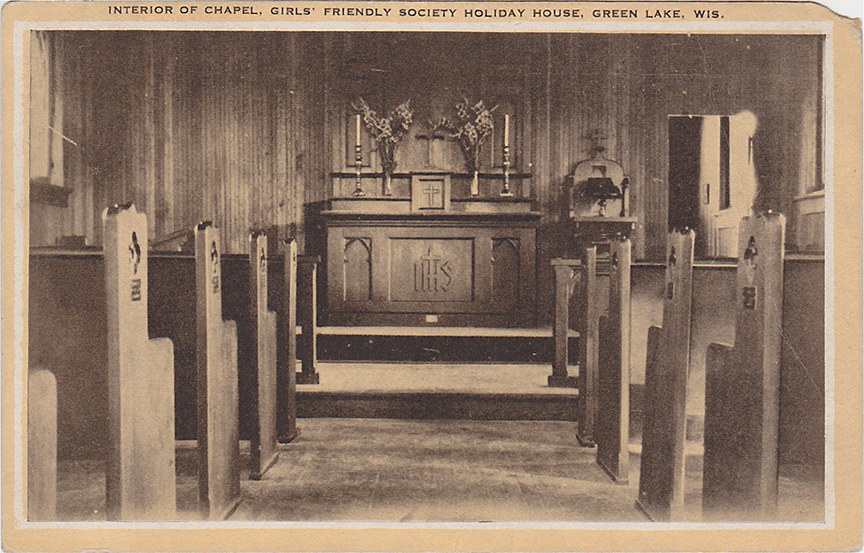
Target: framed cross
(430, 191)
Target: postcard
(431, 276)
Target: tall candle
(506, 129)
(357, 132)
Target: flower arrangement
(387, 131)
(471, 130)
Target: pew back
(743, 384)
(140, 480)
(612, 431)
(217, 396)
(661, 481)
(262, 361)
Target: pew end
(265, 452)
(262, 362)
(41, 445)
(662, 477)
(742, 405)
(612, 432)
(140, 473)
(567, 277)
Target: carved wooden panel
(434, 270)
(430, 192)
(505, 270)
(468, 269)
(357, 269)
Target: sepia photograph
(328, 266)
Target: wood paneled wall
(627, 85)
(245, 128)
(193, 126)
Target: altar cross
(432, 191)
(429, 138)
(596, 138)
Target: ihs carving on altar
(597, 185)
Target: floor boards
(433, 470)
(397, 470)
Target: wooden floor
(394, 470)
(376, 469)
(383, 469)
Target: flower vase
(388, 180)
(475, 184)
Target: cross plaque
(434, 197)
(430, 191)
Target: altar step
(483, 391)
(436, 343)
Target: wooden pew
(140, 479)
(661, 480)
(261, 362)
(612, 431)
(566, 273)
(307, 311)
(41, 445)
(287, 345)
(742, 387)
(590, 310)
(216, 375)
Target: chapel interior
(450, 300)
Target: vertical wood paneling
(244, 128)
(149, 179)
(167, 196)
(193, 126)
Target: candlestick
(357, 131)
(506, 190)
(506, 130)
(358, 166)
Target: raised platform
(436, 391)
(438, 343)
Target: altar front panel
(431, 270)
(417, 270)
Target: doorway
(712, 180)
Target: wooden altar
(430, 260)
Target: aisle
(376, 469)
